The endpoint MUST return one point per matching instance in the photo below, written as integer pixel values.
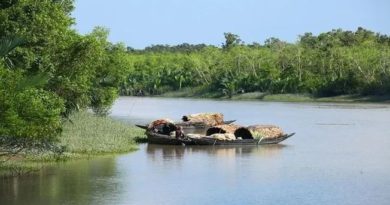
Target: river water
(339, 155)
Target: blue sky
(140, 23)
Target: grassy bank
(195, 92)
(84, 135)
(199, 93)
(310, 98)
(91, 135)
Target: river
(339, 155)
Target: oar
(145, 127)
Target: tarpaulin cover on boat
(210, 119)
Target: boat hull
(155, 138)
(211, 141)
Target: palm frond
(33, 81)
(7, 44)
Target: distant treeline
(181, 48)
(333, 63)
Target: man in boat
(179, 132)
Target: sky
(141, 23)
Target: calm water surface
(340, 155)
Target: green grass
(309, 98)
(200, 92)
(249, 96)
(89, 134)
(289, 98)
(196, 92)
(84, 135)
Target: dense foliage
(31, 113)
(332, 63)
(48, 70)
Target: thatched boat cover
(222, 129)
(211, 119)
(162, 126)
(268, 131)
(259, 131)
(160, 122)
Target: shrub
(32, 113)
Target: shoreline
(265, 97)
(86, 136)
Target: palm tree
(8, 44)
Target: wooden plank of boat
(211, 141)
(156, 138)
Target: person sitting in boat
(162, 126)
(179, 132)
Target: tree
(231, 40)
(331, 63)
(28, 114)
(55, 72)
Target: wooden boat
(156, 138)
(162, 135)
(212, 141)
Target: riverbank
(84, 135)
(196, 93)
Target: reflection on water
(68, 183)
(163, 152)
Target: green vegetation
(83, 136)
(47, 72)
(90, 134)
(195, 93)
(330, 64)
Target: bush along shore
(260, 96)
(84, 135)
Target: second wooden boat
(212, 141)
